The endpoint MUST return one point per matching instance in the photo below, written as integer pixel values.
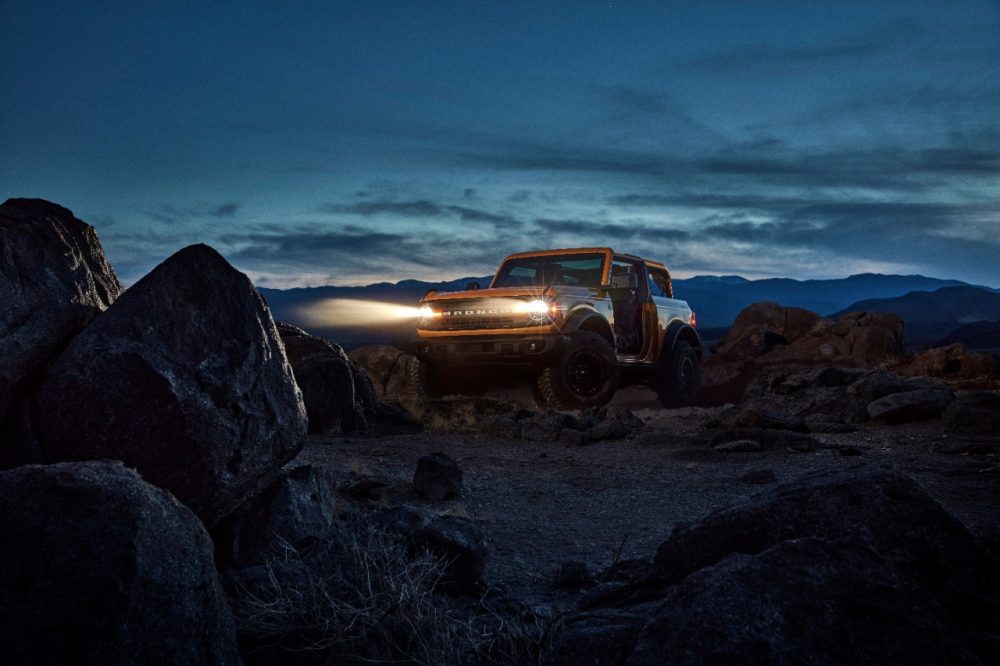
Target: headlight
(538, 310)
(425, 314)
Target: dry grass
(360, 598)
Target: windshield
(578, 270)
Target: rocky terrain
(187, 481)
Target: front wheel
(423, 380)
(585, 376)
(681, 377)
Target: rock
(739, 446)
(758, 319)
(976, 448)
(737, 417)
(323, 373)
(389, 370)
(976, 413)
(800, 601)
(910, 406)
(97, 566)
(501, 425)
(766, 438)
(571, 574)
(298, 506)
(185, 379)
(54, 279)
(886, 510)
(595, 638)
(460, 546)
(546, 427)
(611, 429)
(759, 476)
(401, 520)
(437, 478)
(363, 489)
(458, 413)
(574, 437)
(588, 418)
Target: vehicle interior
(627, 295)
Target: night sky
(355, 142)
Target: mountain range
(933, 308)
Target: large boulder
(296, 508)
(886, 510)
(767, 335)
(437, 477)
(800, 602)
(908, 406)
(54, 278)
(975, 413)
(99, 567)
(183, 378)
(323, 373)
(952, 361)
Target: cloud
(878, 41)
(225, 210)
(421, 208)
(166, 213)
(601, 233)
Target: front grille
(473, 315)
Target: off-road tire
(423, 379)
(585, 376)
(680, 377)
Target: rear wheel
(680, 377)
(585, 376)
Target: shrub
(359, 598)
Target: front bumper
(525, 349)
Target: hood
(499, 292)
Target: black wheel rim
(686, 376)
(586, 374)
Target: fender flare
(588, 319)
(678, 330)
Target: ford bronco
(585, 321)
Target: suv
(584, 321)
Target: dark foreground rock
(183, 378)
(437, 477)
(54, 278)
(298, 506)
(909, 406)
(802, 601)
(852, 566)
(323, 372)
(885, 510)
(99, 567)
(459, 544)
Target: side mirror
(625, 281)
(472, 286)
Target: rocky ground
(544, 503)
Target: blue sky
(353, 142)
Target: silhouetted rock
(571, 574)
(401, 520)
(323, 373)
(437, 477)
(296, 507)
(54, 278)
(183, 378)
(459, 544)
(801, 601)
(99, 567)
(886, 510)
(911, 405)
(976, 413)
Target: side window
(659, 282)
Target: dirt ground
(543, 503)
